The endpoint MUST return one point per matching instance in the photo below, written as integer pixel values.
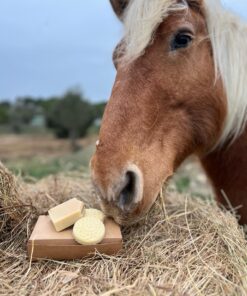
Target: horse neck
(227, 169)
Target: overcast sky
(48, 46)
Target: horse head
(167, 103)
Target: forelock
(141, 19)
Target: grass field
(38, 157)
(41, 156)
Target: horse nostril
(129, 191)
(124, 191)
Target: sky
(49, 46)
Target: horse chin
(128, 221)
(122, 218)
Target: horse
(180, 90)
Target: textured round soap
(89, 231)
(94, 213)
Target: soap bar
(66, 214)
(94, 213)
(46, 243)
(89, 231)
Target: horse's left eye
(180, 40)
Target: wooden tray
(45, 242)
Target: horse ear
(119, 7)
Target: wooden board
(46, 242)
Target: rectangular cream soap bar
(66, 214)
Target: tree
(4, 112)
(73, 114)
(22, 112)
(98, 109)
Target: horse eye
(180, 40)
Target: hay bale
(12, 210)
(54, 190)
(183, 247)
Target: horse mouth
(128, 221)
(120, 217)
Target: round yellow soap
(89, 231)
(94, 213)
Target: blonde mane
(228, 35)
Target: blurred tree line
(69, 116)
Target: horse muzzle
(122, 191)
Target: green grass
(40, 167)
(183, 184)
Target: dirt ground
(26, 146)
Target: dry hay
(183, 247)
(13, 212)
